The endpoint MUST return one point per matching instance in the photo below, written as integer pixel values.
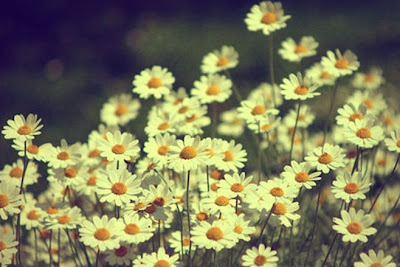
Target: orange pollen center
(151, 208)
(237, 187)
(154, 82)
(92, 181)
(301, 177)
(139, 206)
(209, 151)
(63, 155)
(132, 229)
(369, 103)
(32, 215)
(222, 201)
(159, 201)
(183, 109)
(369, 78)
(186, 242)
(2, 246)
(151, 167)
(363, 133)
(163, 126)
(222, 61)
(121, 251)
(279, 209)
(266, 127)
(355, 116)
(102, 234)
(64, 219)
(52, 210)
(325, 158)
(260, 260)
(119, 188)
(325, 75)
(354, 228)
(121, 110)
(376, 264)
(24, 130)
(342, 63)
(163, 150)
(33, 149)
(301, 90)
(258, 110)
(70, 172)
(118, 149)
(162, 263)
(387, 120)
(16, 172)
(215, 233)
(213, 90)
(382, 162)
(188, 152)
(398, 143)
(268, 18)
(238, 229)
(214, 187)
(3, 201)
(216, 174)
(179, 198)
(300, 49)
(94, 153)
(191, 118)
(351, 188)
(228, 156)
(202, 216)
(277, 192)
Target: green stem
(271, 68)
(188, 216)
(294, 131)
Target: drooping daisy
(364, 133)
(231, 124)
(234, 157)
(119, 147)
(157, 259)
(8, 248)
(281, 190)
(217, 236)
(393, 143)
(100, 234)
(349, 187)
(326, 158)
(318, 74)
(218, 60)
(340, 65)
(295, 52)
(133, 229)
(298, 88)
(375, 260)
(267, 17)
(370, 80)
(237, 185)
(119, 110)
(158, 147)
(299, 174)
(242, 228)
(120, 256)
(260, 257)
(10, 200)
(117, 186)
(13, 173)
(32, 151)
(62, 156)
(255, 110)
(21, 128)
(156, 82)
(212, 88)
(284, 213)
(350, 113)
(187, 154)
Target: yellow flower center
(300, 49)
(163, 150)
(2, 246)
(209, 151)
(119, 188)
(202, 216)
(151, 208)
(382, 162)
(355, 116)
(398, 143)
(238, 229)
(163, 126)
(191, 118)
(102, 234)
(237, 187)
(94, 153)
(63, 155)
(188, 152)
(277, 192)
(222, 201)
(266, 127)
(64, 219)
(92, 181)
(354, 228)
(132, 229)
(301, 90)
(215, 233)
(179, 198)
(3, 201)
(213, 90)
(301, 177)
(325, 158)
(16, 172)
(376, 264)
(186, 242)
(24, 130)
(214, 187)
(369, 103)
(121, 251)
(388, 120)
(121, 110)
(159, 201)
(151, 167)
(52, 210)
(260, 260)
(216, 174)
(118, 149)
(369, 78)
(228, 156)
(268, 18)
(162, 263)
(154, 82)
(33, 149)
(258, 110)
(222, 61)
(279, 209)
(70, 172)
(183, 109)
(363, 133)
(342, 63)
(325, 75)
(32, 215)
(351, 188)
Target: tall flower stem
(265, 224)
(329, 251)
(188, 216)
(214, 119)
(330, 112)
(271, 67)
(294, 131)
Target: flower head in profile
(298, 88)
(156, 82)
(295, 52)
(266, 17)
(22, 129)
(218, 60)
(340, 64)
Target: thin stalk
(315, 223)
(36, 247)
(97, 257)
(345, 254)
(214, 119)
(188, 216)
(329, 251)
(294, 131)
(59, 248)
(271, 67)
(74, 250)
(330, 112)
(265, 224)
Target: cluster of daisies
(182, 198)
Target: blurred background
(63, 59)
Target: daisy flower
(393, 143)
(370, 80)
(176, 97)
(120, 256)
(156, 82)
(260, 257)
(32, 151)
(21, 128)
(231, 124)
(265, 125)
(10, 200)
(119, 110)
(7, 247)
(213, 150)
(374, 102)
(159, 123)
(299, 174)
(158, 259)
(326, 158)
(175, 242)
(320, 75)
(217, 236)
(376, 260)
(193, 124)
(66, 218)
(241, 227)
(100, 234)
(298, 88)
(281, 190)
(306, 117)
(237, 185)
(295, 52)
(349, 187)
(212, 88)
(283, 213)
(255, 110)
(188, 154)
(354, 226)
(266, 91)
(119, 146)
(32, 216)
(267, 17)
(72, 175)
(158, 147)
(117, 186)
(218, 60)
(234, 157)
(13, 173)
(259, 201)
(364, 133)
(134, 230)
(218, 202)
(350, 113)
(62, 156)
(340, 65)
